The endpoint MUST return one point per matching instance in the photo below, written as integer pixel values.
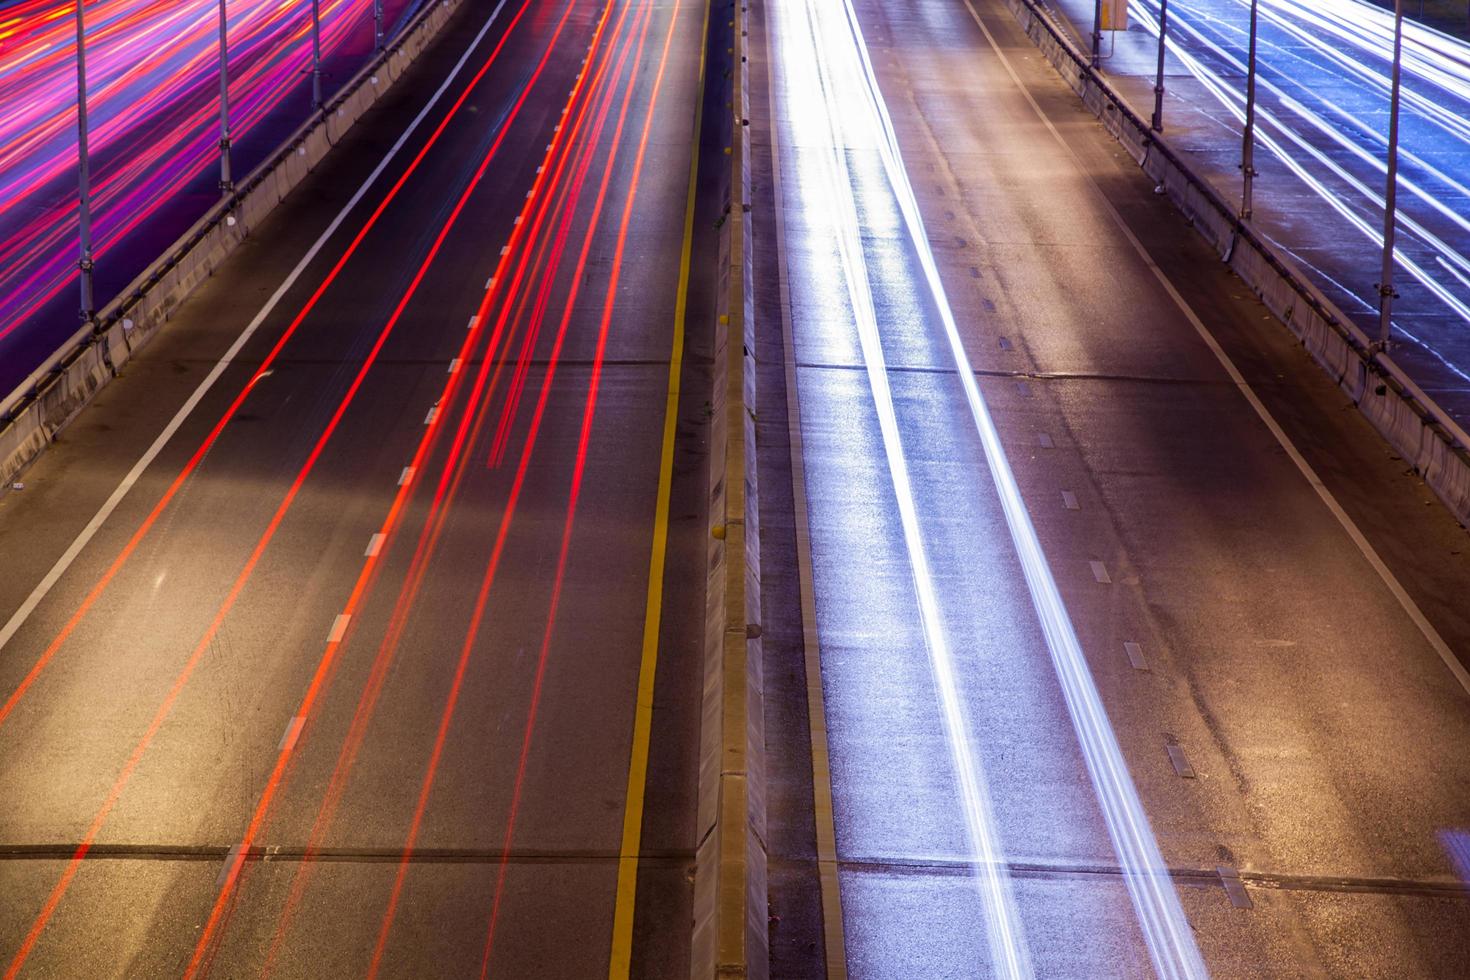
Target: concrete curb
(1416, 427)
(730, 904)
(32, 415)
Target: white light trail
(1165, 929)
(815, 56)
(1366, 35)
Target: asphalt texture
(1282, 716)
(422, 740)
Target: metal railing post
(1158, 120)
(316, 56)
(1096, 31)
(1386, 294)
(226, 181)
(1248, 140)
(84, 175)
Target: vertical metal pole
(84, 175)
(1096, 31)
(316, 55)
(1248, 144)
(1158, 120)
(226, 182)
(1390, 197)
(378, 25)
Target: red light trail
(153, 105)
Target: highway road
(365, 664)
(1322, 135)
(357, 629)
(1113, 641)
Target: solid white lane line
(1166, 930)
(339, 628)
(1369, 553)
(58, 569)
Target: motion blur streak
(154, 112)
(1327, 65)
(209, 440)
(324, 666)
(1166, 931)
(827, 67)
(609, 301)
(207, 640)
(540, 201)
(482, 598)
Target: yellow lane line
(622, 936)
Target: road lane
(1266, 731)
(563, 766)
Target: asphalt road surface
(1104, 685)
(347, 682)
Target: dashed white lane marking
(475, 320)
(1005, 343)
(504, 250)
(1045, 441)
(1069, 500)
(339, 628)
(1100, 572)
(1135, 655)
(1234, 887)
(433, 414)
(490, 283)
(231, 859)
(375, 545)
(1024, 389)
(518, 219)
(291, 734)
(405, 476)
(454, 366)
(1179, 761)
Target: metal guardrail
(224, 212)
(1379, 386)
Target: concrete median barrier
(730, 936)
